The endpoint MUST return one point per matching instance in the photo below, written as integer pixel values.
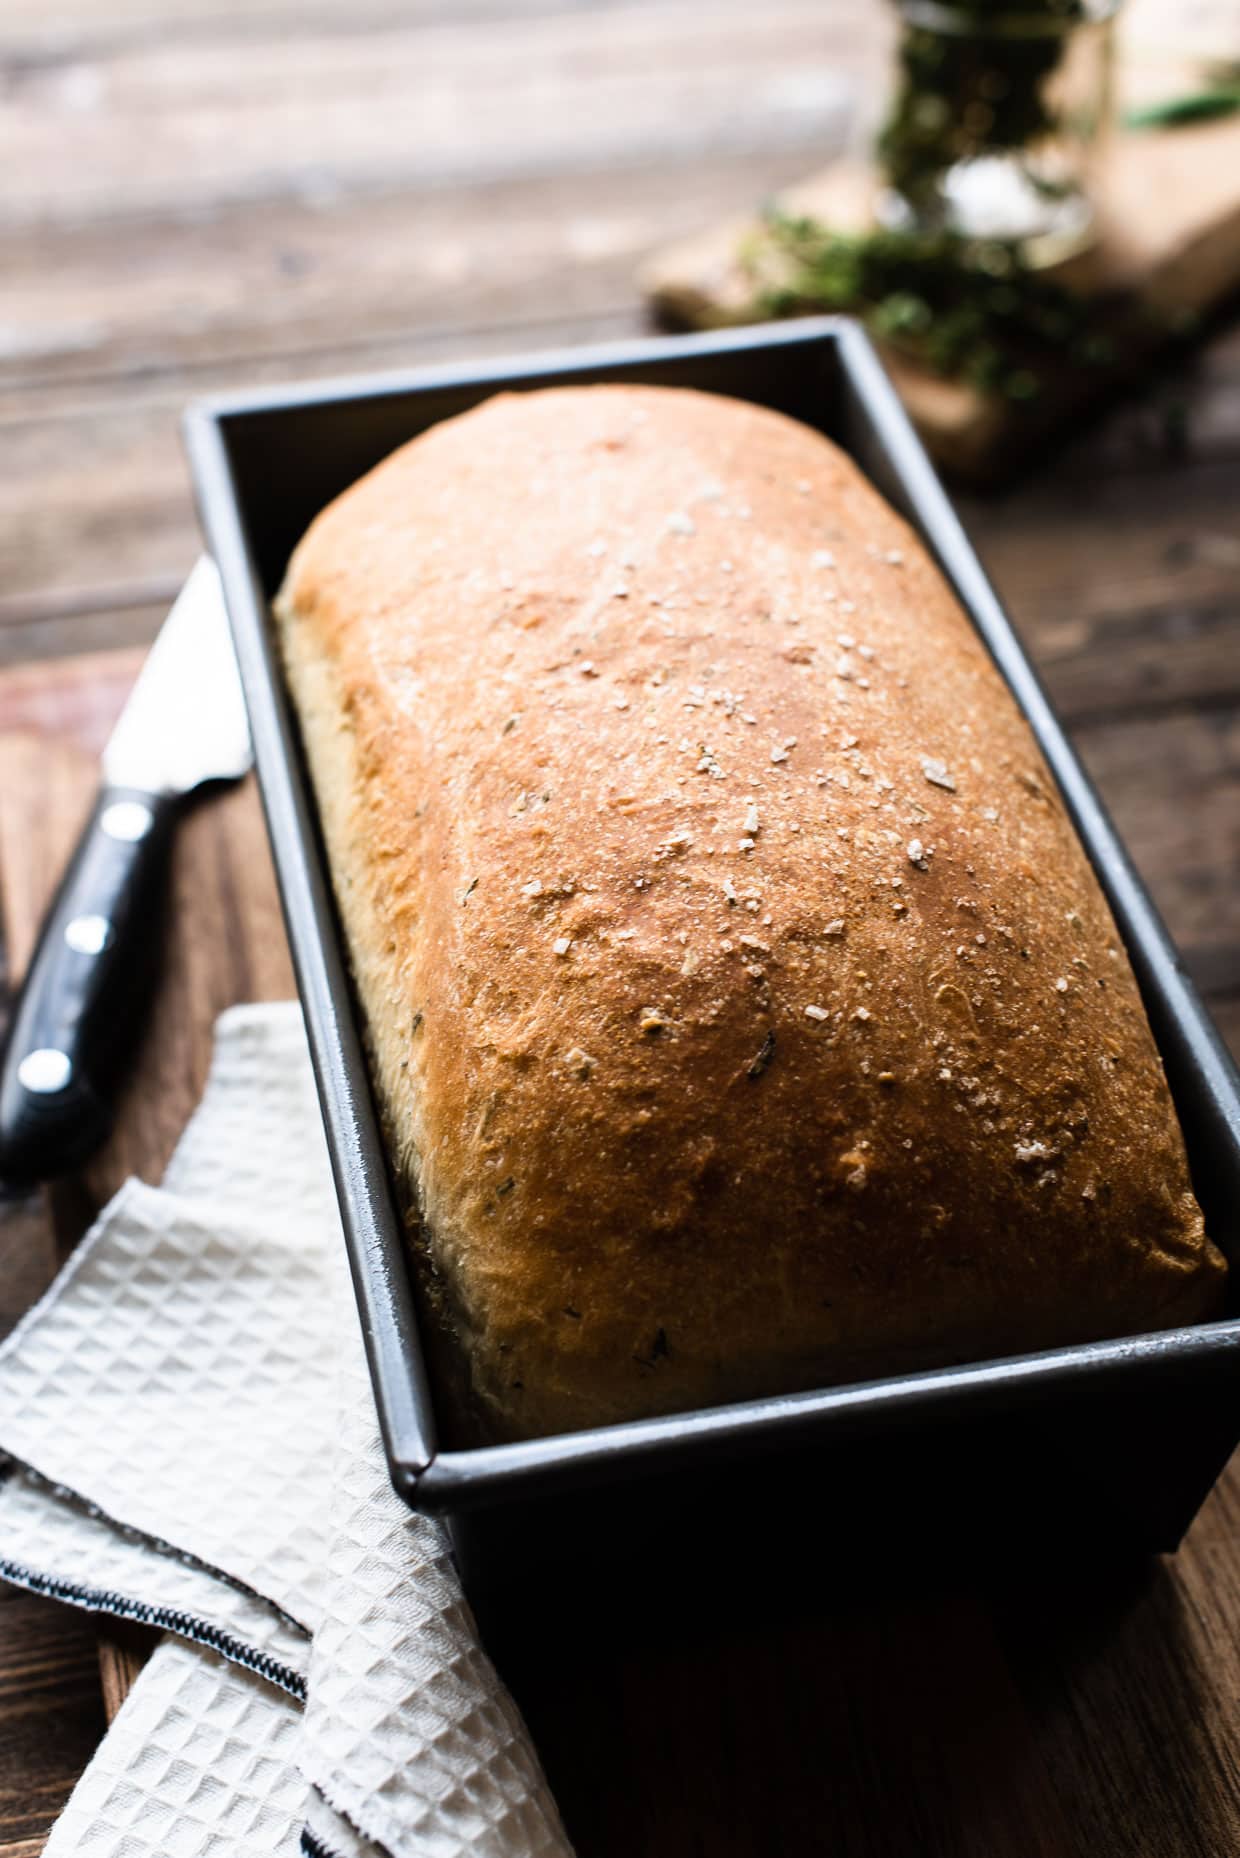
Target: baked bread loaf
(744, 1014)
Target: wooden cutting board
(1168, 250)
(227, 945)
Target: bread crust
(744, 1013)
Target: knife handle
(79, 1011)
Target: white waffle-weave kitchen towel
(188, 1437)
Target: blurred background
(195, 193)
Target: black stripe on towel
(168, 1618)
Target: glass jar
(1000, 109)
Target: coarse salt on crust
(758, 1163)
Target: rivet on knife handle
(82, 1003)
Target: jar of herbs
(999, 112)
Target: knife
(92, 972)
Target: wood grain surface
(243, 190)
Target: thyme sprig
(968, 310)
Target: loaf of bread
(744, 1014)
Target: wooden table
(228, 192)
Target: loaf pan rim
(448, 1479)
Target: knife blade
(81, 1005)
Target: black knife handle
(77, 1017)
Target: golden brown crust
(745, 1014)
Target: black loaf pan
(1101, 1446)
